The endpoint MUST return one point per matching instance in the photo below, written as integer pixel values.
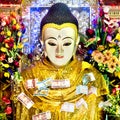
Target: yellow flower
(118, 36)
(19, 34)
(17, 26)
(15, 47)
(117, 109)
(7, 74)
(117, 74)
(6, 45)
(20, 45)
(8, 33)
(112, 44)
(14, 21)
(112, 50)
(101, 47)
(6, 65)
(3, 49)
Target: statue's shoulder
(34, 66)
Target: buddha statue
(60, 87)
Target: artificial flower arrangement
(101, 48)
(112, 105)
(104, 45)
(11, 44)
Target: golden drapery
(56, 97)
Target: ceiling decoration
(106, 2)
(111, 2)
(10, 1)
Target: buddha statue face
(59, 44)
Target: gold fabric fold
(56, 97)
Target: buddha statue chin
(67, 89)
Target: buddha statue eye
(67, 44)
(51, 44)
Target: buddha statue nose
(59, 49)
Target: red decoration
(10, 1)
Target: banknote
(67, 107)
(43, 92)
(65, 83)
(44, 84)
(25, 100)
(31, 83)
(42, 116)
(81, 102)
(81, 89)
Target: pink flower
(1, 38)
(114, 91)
(6, 100)
(16, 63)
(101, 13)
(109, 38)
(8, 110)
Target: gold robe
(56, 97)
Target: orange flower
(2, 33)
(107, 54)
(111, 67)
(98, 56)
(118, 64)
(106, 60)
(101, 47)
(13, 14)
(2, 56)
(95, 52)
(114, 60)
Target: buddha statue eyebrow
(67, 38)
(52, 38)
(59, 37)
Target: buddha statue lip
(59, 56)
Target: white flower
(10, 60)
(3, 23)
(106, 9)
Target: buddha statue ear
(76, 46)
(43, 47)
